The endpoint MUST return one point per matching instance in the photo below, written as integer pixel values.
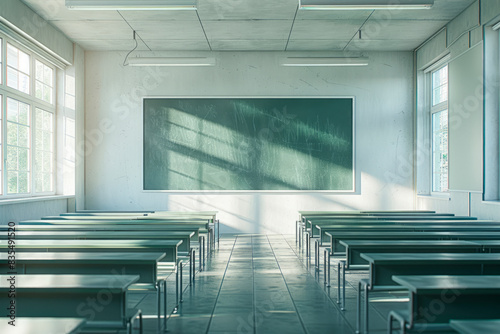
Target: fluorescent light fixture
(364, 4)
(171, 61)
(325, 61)
(131, 4)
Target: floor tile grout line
(220, 288)
(288, 289)
(322, 288)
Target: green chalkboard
(248, 144)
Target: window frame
(435, 109)
(34, 103)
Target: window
(27, 122)
(18, 69)
(439, 126)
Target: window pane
(23, 183)
(18, 69)
(440, 86)
(440, 151)
(44, 82)
(18, 146)
(44, 148)
(12, 183)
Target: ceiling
(250, 25)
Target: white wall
(479, 198)
(383, 129)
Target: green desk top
(116, 214)
(93, 221)
(351, 220)
(39, 325)
(364, 212)
(102, 234)
(430, 283)
(93, 243)
(104, 227)
(432, 258)
(412, 243)
(476, 326)
(429, 227)
(472, 235)
(73, 282)
(328, 224)
(73, 257)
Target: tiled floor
(263, 284)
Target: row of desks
(379, 246)
(86, 248)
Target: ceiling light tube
(131, 4)
(364, 4)
(324, 61)
(171, 61)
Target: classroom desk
(129, 222)
(311, 224)
(143, 264)
(382, 266)
(447, 298)
(354, 248)
(107, 235)
(69, 296)
(49, 326)
(169, 247)
(337, 245)
(476, 326)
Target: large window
(27, 122)
(439, 126)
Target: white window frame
(33, 102)
(434, 109)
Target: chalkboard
(248, 144)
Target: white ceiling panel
(55, 10)
(173, 45)
(111, 45)
(325, 29)
(249, 45)
(247, 9)
(382, 45)
(316, 44)
(249, 29)
(161, 15)
(333, 14)
(249, 25)
(400, 29)
(178, 30)
(443, 10)
(97, 30)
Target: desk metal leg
(343, 285)
(180, 292)
(165, 305)
(158, 303)
(193, 264)
(338, 282)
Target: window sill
(491, 202)
(438, 196)
(34, 199)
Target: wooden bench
(143, 264)
(101, 299)
(382, 266)
(435, 300)
(49, 326)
